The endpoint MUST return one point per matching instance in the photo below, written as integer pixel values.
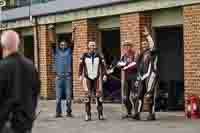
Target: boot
(88, 117)
(136, 116)
(100, 116)
(58, 115)
(151, 117)
(129, 115)
(69, 110)
(69, 114)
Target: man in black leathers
(19, 87)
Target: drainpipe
(37, 36)
(38, 44)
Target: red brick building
(175, 26)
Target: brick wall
(192, 49)
(132, 26)
(86, 31)
(45, 54)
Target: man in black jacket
(19, 87)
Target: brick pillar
(192, 49)
(45, 60)
(131, 27)
(86, 30)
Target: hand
(110, 71)
(121, 64)
(146, 32)
(124, 68)
(81, 78)
(51, 27)
(136, 83)
(148, 95)
(99, 93)
(124, 98)
(142, 78)
(139, 77)
(104, 78)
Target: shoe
(58, 115)
(127, 116)
(87, 117)
(100, 117)
(136, 116)
(69, 115)
(151, 117)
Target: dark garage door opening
(171, 65)
(111, 49)
(29, 47)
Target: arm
(155, 62)
(148, 37)
(103, 64)
(132, 64)
(73, 38)
(150, 40)
(81, 66)
(148, 72)
(52, 37)
(53, 47)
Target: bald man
(92, 66)
(19, 87)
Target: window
(20, 3)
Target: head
(10, 42)
(127, 46)
(63, 45)
(92, 46)
(146, 45)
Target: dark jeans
(63, 90)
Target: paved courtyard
(173, 122)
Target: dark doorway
(111, 50)
(29, 47)
(169, 41)
(64, 36)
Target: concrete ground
(171, 122)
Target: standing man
(148, 78)
(19, 87)
(129, 74)
(92, 67)
(63, 68)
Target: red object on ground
(195, 107)
(192, 107)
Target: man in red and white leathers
(91, 70)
